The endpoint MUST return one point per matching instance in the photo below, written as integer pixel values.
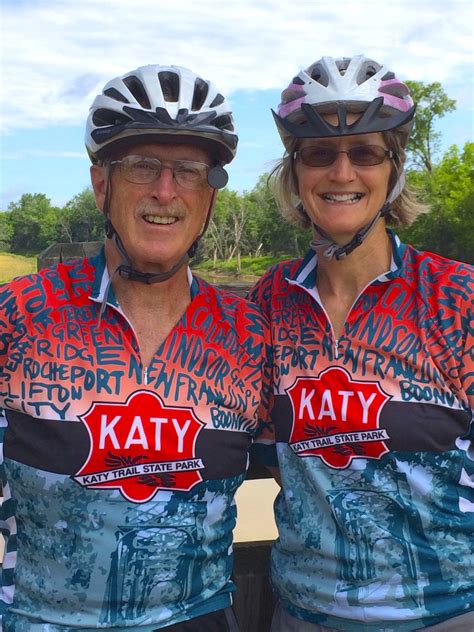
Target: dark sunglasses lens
(318, 156)
(366, 155)
(363, 155)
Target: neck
(166, 294)
(348, 276)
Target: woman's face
(342, 197)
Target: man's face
(157, 221)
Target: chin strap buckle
(356, 241)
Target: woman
(373, 374)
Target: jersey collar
(102, 278)
(305, 274)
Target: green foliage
(448, 228)
(432, 103)
(249, 266)
(81, 220)
(273, 233)
(6, 231)
(33, 224)
(226, 231)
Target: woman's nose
(342, 168)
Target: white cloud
(57, 54)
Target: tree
(432, 103)
(6, 231)
(226, 235)
(274, 234)
(80, 219)
(448, 228)
(34, 223)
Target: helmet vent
(343, 65)
(105, 117)
(298, 81)
(218, 99)
(319, 75)
(223, 122)
(367, 71)
(388, 75)
(201, 90)
(169, 82)
(137, 89)
(370, 72)
(116, 95)
(291, 94)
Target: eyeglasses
(143, 170)
(361, 155)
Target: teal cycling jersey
(374, 440)
(119, 479)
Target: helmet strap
(334, 249)
(340, 252)
(194, 246)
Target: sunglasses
(361, 155)
(143, 170)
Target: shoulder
(228, 319)
(274, 282)
(230, 307)
(436, 263)
(438, 278)
(53, 285)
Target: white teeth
(156, 219)
(342, 197)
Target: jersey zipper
(119, 311)
(319, 302)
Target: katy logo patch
(141, 446)
(337, 418)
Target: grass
(252, 267)
(15, 265)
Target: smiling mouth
(157, 219)
(348, 198)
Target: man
(132, 389)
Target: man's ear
(99, 184)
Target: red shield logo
(337, 418)
(141, 446)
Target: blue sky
(56, 55)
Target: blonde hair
(284, 186)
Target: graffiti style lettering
(229, 420)
(410, 391)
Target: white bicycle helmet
(160, 103)
(356, 84)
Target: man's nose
(164, 186)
